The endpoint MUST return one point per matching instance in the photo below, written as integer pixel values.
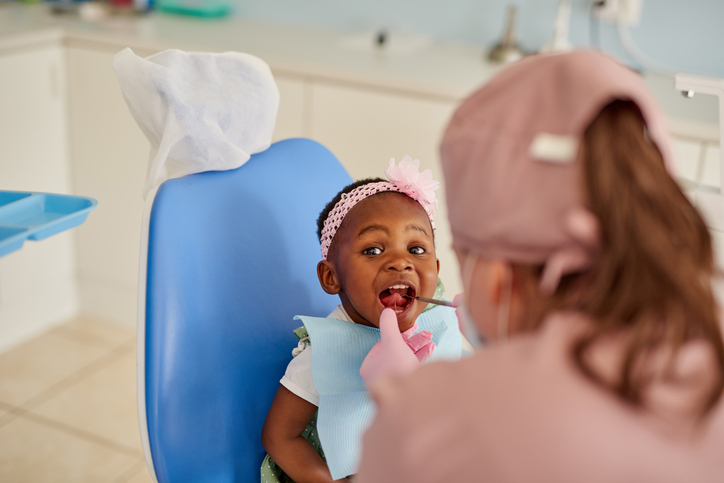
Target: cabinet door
(365, 128)
(37, 287)
(110, 157)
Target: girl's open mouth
(398, 297)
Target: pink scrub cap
(509, 156)
(404, 178)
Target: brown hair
(652, 277)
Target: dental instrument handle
(435, 301)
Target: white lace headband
(404, 178)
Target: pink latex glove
(421, 344)
(396, 353)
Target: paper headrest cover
(200, 111)
(509, 156)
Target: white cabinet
(711, 169)
(688, 159)
(698, 164)
(37, 287)
(110, 156)
(365, 128)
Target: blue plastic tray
(34, 216)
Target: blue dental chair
(231, 258)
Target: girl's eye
(372, 251)
(417, 250)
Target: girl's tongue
(394, 298)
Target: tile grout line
(83, 434)
(85, 337)
(135, 469)
(107, 359)
(10, 416)
(7, 406)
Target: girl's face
(383, 252)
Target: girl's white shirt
(298, 376)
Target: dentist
(588, 272)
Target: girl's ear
(327, 277)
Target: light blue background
(682, 35)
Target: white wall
(681, 35)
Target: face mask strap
(471, 260)
(469, 264)
(471, 331)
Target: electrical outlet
(627, 12)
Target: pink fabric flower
(408, 178)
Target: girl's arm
(282, 438)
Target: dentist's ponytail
(652, 278)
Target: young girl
(378, 252)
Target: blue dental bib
(345, 406)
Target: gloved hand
(395, 353)
(421, 344)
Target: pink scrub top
(521, 411)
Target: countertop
(446, 71)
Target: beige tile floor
(68, 407)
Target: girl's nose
(399, 263)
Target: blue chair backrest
(231, 259)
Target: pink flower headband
(404, 178)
